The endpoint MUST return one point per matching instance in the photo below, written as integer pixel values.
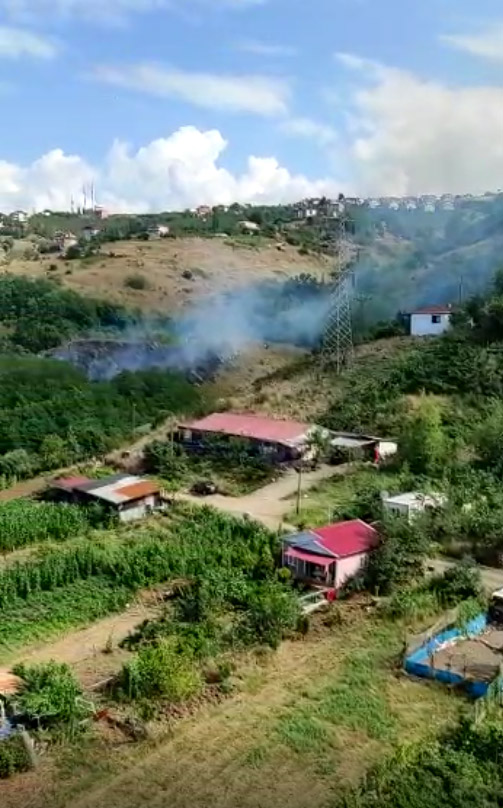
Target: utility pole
(299, 488)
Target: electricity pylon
(337, 345)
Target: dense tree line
(36, 315)
(51, 414)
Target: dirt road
(492, 578)
(273, 503)
(93, 652)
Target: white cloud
(260, 95)
(488, 43)
(179, 171)
(308, 128)
(266, 49)
(410, 135)
(17, 42)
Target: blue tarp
(418, 663)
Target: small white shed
(412, 503)
(430, 321)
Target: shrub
(138, 282)
(13, 756)
(461, 582)
(160, 672)
(271, 612)
(51, 696)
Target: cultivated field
(214, 265)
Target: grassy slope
(304, 723)
(215, 264)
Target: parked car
(204, 488)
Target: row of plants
(23, 522)
(197, 542)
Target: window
(436, 319)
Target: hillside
(176, 271)
(412, 258)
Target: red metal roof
(246, 425)
(69, 483)
(433, 310)
(321, 561)
(347, 538)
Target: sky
(170, 104)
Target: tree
(423, 443)
(489, 438)
(54, 452)
(399, 558)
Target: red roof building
(330, 555)
(278, 439)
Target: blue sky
(366, 96)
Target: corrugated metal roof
(142, 489)
(254, 426)
(308, 542)
(104, 482)
(348, 538)
(120, 488)
(343, 442)
(69, 483)
(340, 540)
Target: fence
(420, 662)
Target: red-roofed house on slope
(279, 441)
(329, 556)
(430, 321)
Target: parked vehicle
(204, 488)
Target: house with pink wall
(329, 556)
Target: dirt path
(492, 578)
(271, 504)
(93, 652)
(26, 488)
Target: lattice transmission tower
(337, 345)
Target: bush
(51, 696)
(461, 582)
(13, 756)
(271, 612)
(399, 558)
(138, 282)
(160, 672)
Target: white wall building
(430, 321)
(412, 504)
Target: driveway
(271, 504)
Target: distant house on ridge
(430, 321)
